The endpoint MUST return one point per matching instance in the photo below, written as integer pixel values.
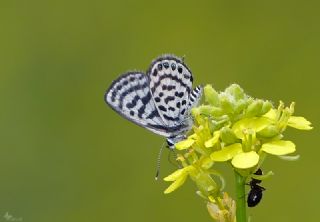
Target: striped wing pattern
(159, 101)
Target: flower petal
(211, 142)
(255, 123)
(299, 122)
(179, 173)
(227, 153)
(175, 175)
(176, 184)
(184, 144)
(272, 114)
(245, 160)
(193, 136)
(279, 147)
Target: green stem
(240, 197)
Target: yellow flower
(246, 154)
(235, 128)
(282, 117)
(178, 177)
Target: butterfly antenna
(159, 162)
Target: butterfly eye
(180, 69)
(160, 66)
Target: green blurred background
(66, 156)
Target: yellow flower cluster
(235, 128)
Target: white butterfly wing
(130, 96)
(171, 85)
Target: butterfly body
(160, 100)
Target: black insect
(255, 194)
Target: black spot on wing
(186, 76)
(171, 87)
(173, 66)
(133, 102)
(179, 94)
(166, 65)
(113, 96)
(164, 87)
(153, 114)
(162, 108)
(146, 99)
(130, 90)
(172, 109)
(168, 99)
(155, 72)
(176, 119)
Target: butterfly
(160, 100)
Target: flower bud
(227, 135)
(267, 105)
(236, 91)
(240, 106)
(254, 108)
(211, 96)
(269, 131)
(226, 103)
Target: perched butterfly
(160, 100)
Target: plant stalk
(240, 197)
